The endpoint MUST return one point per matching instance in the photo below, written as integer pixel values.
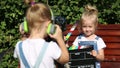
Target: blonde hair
(28, 1)
(90, 12)
(37, 14)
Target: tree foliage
(12, 13)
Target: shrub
(12, 13)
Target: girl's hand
(58, 33)
(94, 53)
(66, 42)
(21, 29)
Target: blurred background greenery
(12, 13)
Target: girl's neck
(91, 37)
(35, 34)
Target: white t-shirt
(31, 50)
(100, 42)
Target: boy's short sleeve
(15, 55)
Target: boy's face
(88, 27)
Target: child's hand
(21, 29)
(58, 33)
(66, 42)
(94, 53)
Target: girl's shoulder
(98, 37)
(18, 42)
(80, 36)
(52, 43)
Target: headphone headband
(52, 15)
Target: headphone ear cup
(25, 26)
(51, 28)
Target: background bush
(12, 13)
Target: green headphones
(51, 27)
(25, 26)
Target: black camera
(61, 22)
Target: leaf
(81, 9)
(95, 0)
(3, 25)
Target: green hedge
(12, 13)
(109, 12)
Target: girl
(88, 25)
(38, 18)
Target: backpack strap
(97, 37)
(80, 35)
(22, 56)
(41, 54)
(39, 59)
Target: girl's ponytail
(91, 10)
(29, 2)
(91, 13)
